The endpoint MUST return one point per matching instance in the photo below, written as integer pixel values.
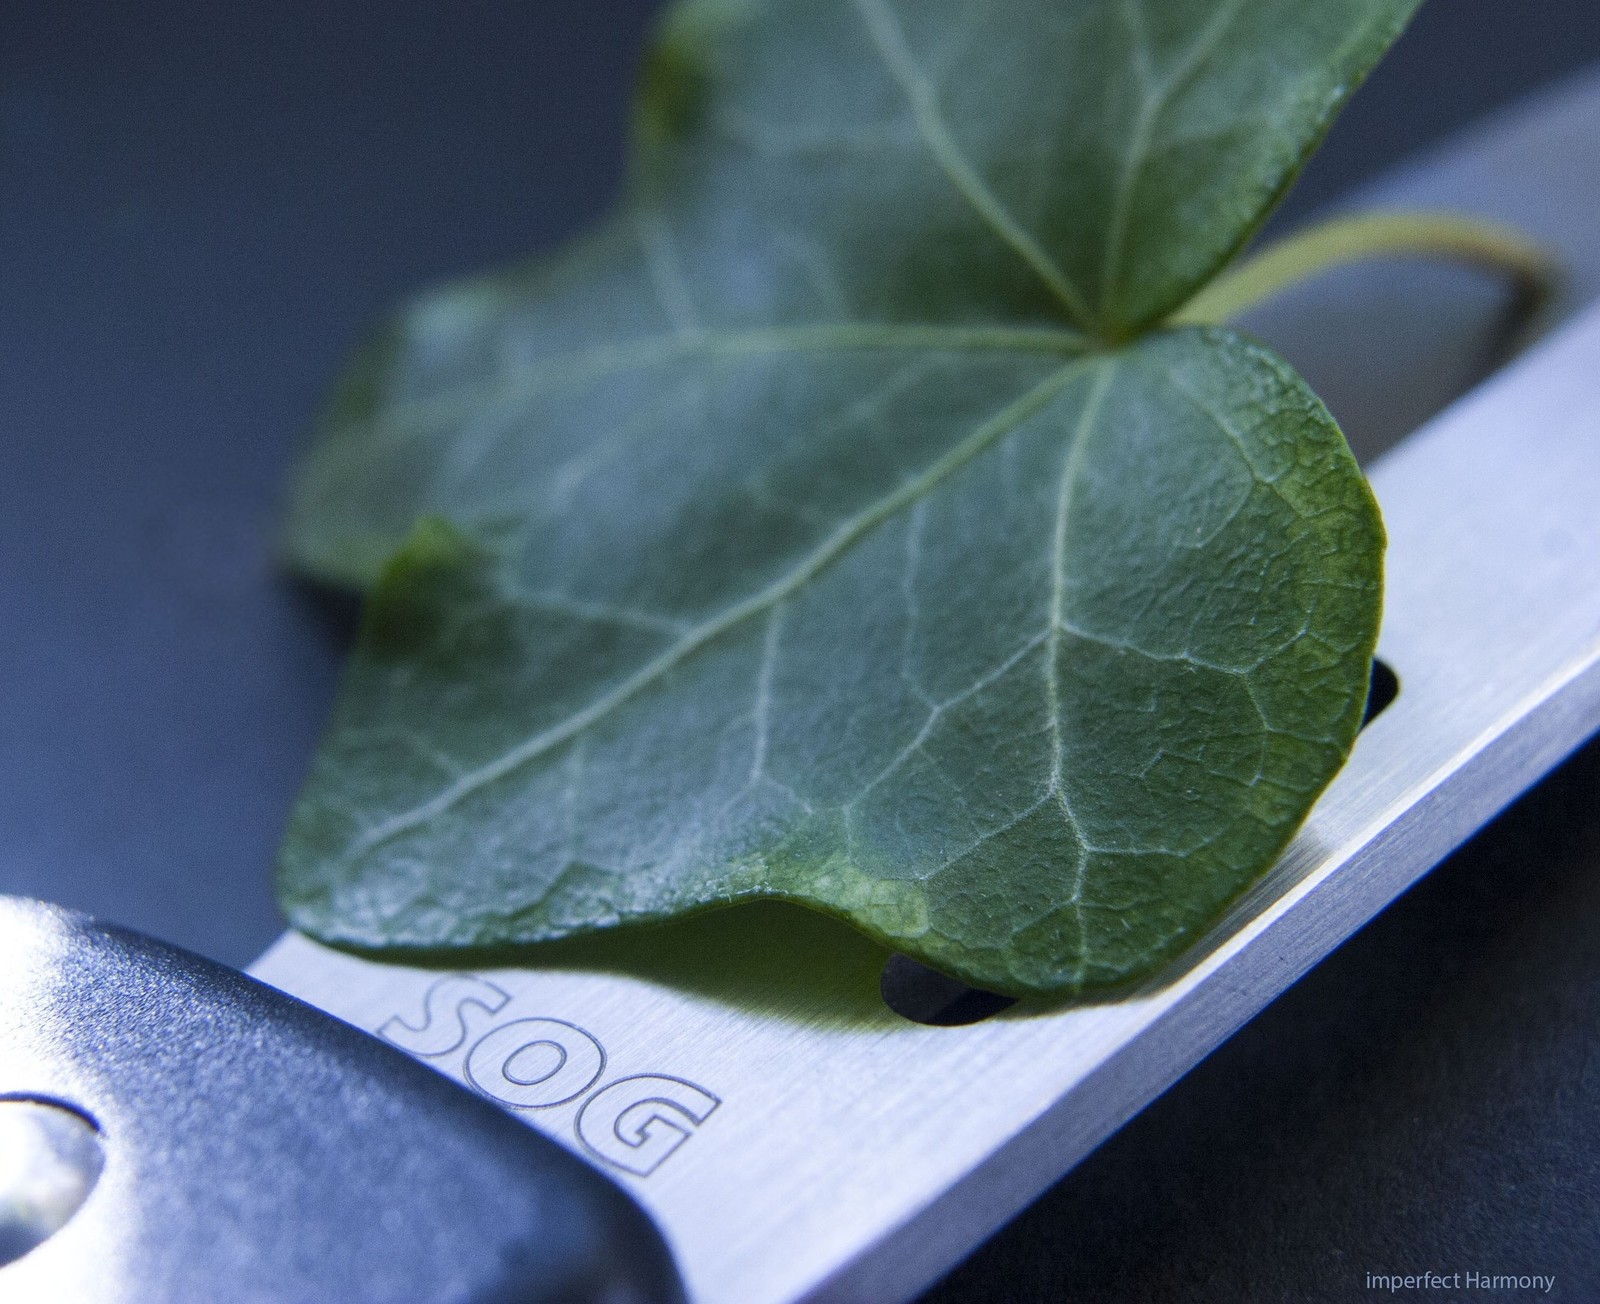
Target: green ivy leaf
(833, 525)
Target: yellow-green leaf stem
(1366, 236)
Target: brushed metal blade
(797, 1140)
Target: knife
(792, 1136)
(792, 1155)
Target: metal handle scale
(252, 1148)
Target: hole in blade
(924, 995)
(1383, 689)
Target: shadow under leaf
(765, 957)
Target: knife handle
(174, 1130)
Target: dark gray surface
(262, 1152)
(204, 204)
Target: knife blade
(798, 1140)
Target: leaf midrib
(581, 366)
(1066, 487)
(842, 538)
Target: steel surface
(799, 1141)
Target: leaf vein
(847, 533)
(1071, 464)
(762, 710)
(666, 271)
(600, 362)
(920, 93)
(1136, 156)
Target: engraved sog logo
(633, 1123)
